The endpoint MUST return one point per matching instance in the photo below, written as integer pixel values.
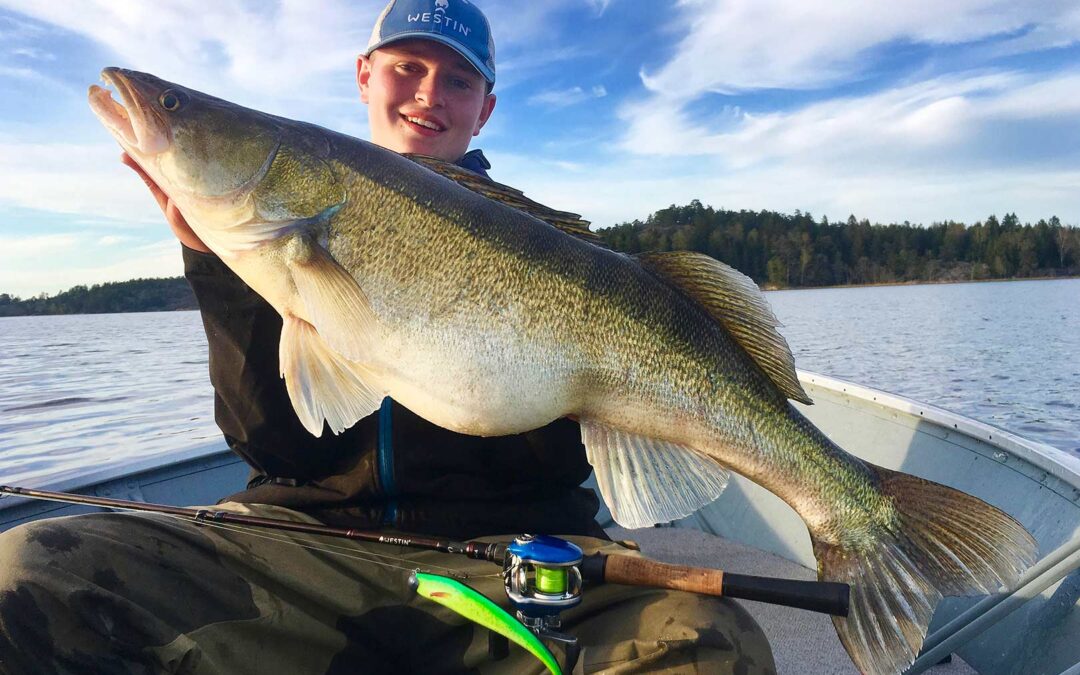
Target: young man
(127, 593)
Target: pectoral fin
(645, 481)
(294, 191)
(335, 303)
(322, 384)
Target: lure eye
(172, 100)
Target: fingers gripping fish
(489, 314)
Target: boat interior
(1031, 628)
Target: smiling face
(423, 97)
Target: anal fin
(323, 384)
(645, 481)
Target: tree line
(138, 295)
(788, 251)
(774, 249)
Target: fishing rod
(542, 575)
(815, 596)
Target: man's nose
(430, 91)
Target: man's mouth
(424, 125)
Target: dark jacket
(391, 469)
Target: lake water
(95, 390)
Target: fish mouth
(132, 121)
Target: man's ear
(363, 74)
(485, 113)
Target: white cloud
(948, 120)
(19, 73)
(563, 98)
(269, 52)
(958, 146)
(599, 6)
(519, 25)
(631, 189)
(113, 240)
(740, 45)
(55, 268)
(32, 53)
(87, 180)
(227, 45)
(17, 249)
(12, 29)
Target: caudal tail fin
(944, 542)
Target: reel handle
(817, 596)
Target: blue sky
(906, 110)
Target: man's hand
(176, 220)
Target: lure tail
(477, 608)
(945, 542)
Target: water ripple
(98, 390)
(1003, 353)
(92, 390)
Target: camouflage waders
(127, 593)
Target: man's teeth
(424, 123)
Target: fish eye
(172, 100)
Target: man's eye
(407, 67)
(460, 84)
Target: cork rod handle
(634, 571)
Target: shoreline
(764, 288)
(770, 288)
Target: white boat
(1033, 629)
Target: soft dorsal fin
(733, 299)
(571, 223)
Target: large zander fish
(392, 279)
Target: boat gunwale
(131, 469)
(1053, 461)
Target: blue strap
(386, 447)
(386, 460)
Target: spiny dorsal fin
(733, 299)
(571, 223)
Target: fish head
(222, 164)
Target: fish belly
(483, 383)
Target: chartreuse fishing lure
(475, 607)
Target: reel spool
(542, 576)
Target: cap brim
(487, 73)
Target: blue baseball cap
(458, 24)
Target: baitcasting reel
(542, 578)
